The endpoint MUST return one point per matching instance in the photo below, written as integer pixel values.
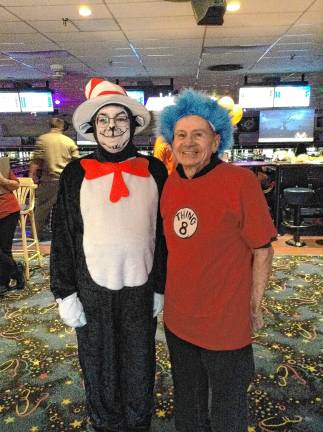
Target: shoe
(19, 277)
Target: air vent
(224, 67)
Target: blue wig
(191, 102)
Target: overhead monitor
(292, 96)
(155, 103)
(9, 102)
(138, 95)
(286, 125)
(36, 101)
(256, 97)
(81, 141)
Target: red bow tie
(136, 166)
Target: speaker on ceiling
(209, 12)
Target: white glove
(71, 311)
(158, 304)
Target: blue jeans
(210, 387)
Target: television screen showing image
(36, 101)
(138, 95)
(292, 96)
(286, 125)
(256, 97)
(9, 102)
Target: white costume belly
(119, 238)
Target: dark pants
(46, 196)
(8, 265)
(117, 356)
(199, 373)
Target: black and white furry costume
(111, 256)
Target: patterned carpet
(41, 386)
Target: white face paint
(113, 128)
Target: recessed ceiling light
(233, 6)
(85, 11)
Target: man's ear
(216, 142)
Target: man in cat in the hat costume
(108, 259)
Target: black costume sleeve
(66, 223)
(158, 273)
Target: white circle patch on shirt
(185, 222)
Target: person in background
(108, 259)
(301, 149)
(53, 151)
(9, 215)
(218, 232)
(163, 152)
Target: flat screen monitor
(256, 97)
(36, 101)
(286, 125)
(9, 102)
(155, 103)
(82, 141)
(138, 95)
(292, 96)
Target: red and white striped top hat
(100, 93)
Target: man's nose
(189, 140)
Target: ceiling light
(85, 11)
(233, 6)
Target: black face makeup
(113, 128)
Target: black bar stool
(297, 197)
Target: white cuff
(71, 311)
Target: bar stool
(25, 195)
(319, 203)
(297, 197)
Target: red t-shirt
(212, 223)
(8, 201)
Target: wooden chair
(29, 241)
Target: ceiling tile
(20, 27)
(158, 23)
(150, 9)
(47, 2)
(255, 32)
(240, 21)
(168, 43)
(52, 26)
(134, 36)
(88, 37)
(270, 6)
(6, 15)
(98, 25)
(57, 12)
